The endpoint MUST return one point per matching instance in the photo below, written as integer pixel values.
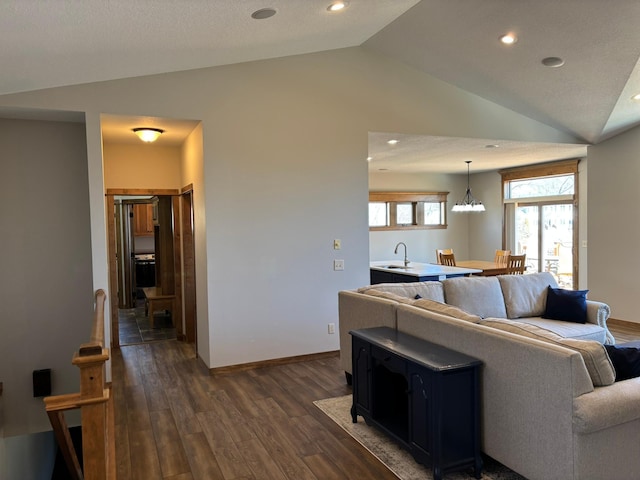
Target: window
(540, 217)
(410, 211)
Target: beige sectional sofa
(551, 408)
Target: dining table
(487, 267)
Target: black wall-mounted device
(42, 382)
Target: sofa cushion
(566, 305)
(445, 309)
(577, 331)
(626, 361)
(593, 353)
(388, 296)
(526, 295)
(431, 290)
(478, 295)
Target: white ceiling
(66, 42)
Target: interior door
(124, 251)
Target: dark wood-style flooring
(175, 421)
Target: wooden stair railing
(96, 408)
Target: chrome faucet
(406, 260)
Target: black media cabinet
(423, 395)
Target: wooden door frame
(187, 248)
(110, 195)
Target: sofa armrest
(607, 407)
(358, 310)
(598, 313)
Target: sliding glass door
(544, 232)
(541, 218)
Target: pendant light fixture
(468, 203)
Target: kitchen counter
(395, 271)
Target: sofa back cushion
(593, 353)
(481, 296)
(445, 309)
(389, 296)
(430, 290)
(526, 295)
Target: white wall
(142, 166)
(192, 169)
(421, 244)
(485, 228)
(473, 236)
(46, 277)
(285, 143)
(614, 229)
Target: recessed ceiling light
(383, 169)
(369, 159)
(263, 13)
(552, 62)
(337, 6)
(508, 38)
(492, 145)
(392, 142)
(636, 97)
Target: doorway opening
(146, 255)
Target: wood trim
(635, 326)
(187, 188)
(408, 196)
(188, 268)
(409, 227)
(271, 363)
(541, 170)
(113, 270)
(177, 266)
(142, 191)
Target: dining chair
(502, 257)
(448, 259)
(448, 251)
(516, 264)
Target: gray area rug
(398, 460)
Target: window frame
(417, 201)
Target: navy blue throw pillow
(566, 305)
(625, 360)
(418, 296)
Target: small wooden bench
(155, 299)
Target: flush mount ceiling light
(636, 97)
(552, 62)
(148, 134)
(468, 203)
(337, 6)
(508, 38)
(263, 13)
(392, 142)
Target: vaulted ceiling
(48, 44)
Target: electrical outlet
(337, 244)
(338, 265)
(331, 328)
(584, 244)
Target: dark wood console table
(423, 395)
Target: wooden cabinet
(424, 396)
(143, 219)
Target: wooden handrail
(96, 406)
